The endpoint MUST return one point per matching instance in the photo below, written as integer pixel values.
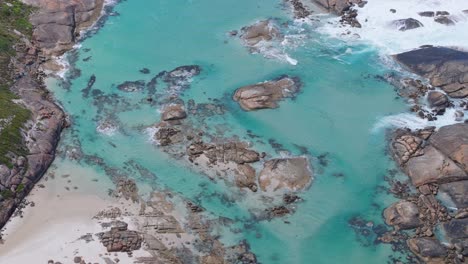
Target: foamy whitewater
(377, 29)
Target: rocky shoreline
(56, 28)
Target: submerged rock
(132, 86)
(173, 112)
(446, 68)
(406, 24)
(261, 31)
(292, 174)
(402, 215)
(267, 94)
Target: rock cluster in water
(267, 94)
(435, 161)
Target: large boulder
(452, 140)
(433, 167)
(292, 174)
(406, 24)
(402, 215)
(446, 68)
(429, 250)
(261, 31)
(266, 94)
(457, 192)
(437, 99)
(456, 229)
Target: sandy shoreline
(51, 229)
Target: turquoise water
(333, 116)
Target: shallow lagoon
(333, 116)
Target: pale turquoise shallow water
(334, 114)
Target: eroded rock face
(446, 68)
(437, 99)
(402, 215)
(58, 22)
(266, 94)
(261, 31)
(428, 249)
(292, 174)
(406, 24)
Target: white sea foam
(150, 132)
(107, 128)
(413, 122)
(376, 18)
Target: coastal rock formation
(403, 215)
(236, 152)
(406, 24)
(437, 99)
(428, 249)
(453, 142)
(259, 32)
(58, 23)
(444, 67)
(292, 174)
(267, 94)
(173, 112)
(337, 6)
(457, 192)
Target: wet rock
(402, 215)
(236, 152)
(406, 24)
(173, 112)
(446, 68)
(444, 20)
(337, 6)
(266, 94)
(292, 174)
(437, 99)
(300, 11)
(278, 211)
(261, 31)
(428, 249)
(442, 13)
(168, 135)
(457, 191)
(427, 14)
(246, 177)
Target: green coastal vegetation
(14, 24)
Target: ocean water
(334, 118)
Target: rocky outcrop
(338, 6)
(437, 100)
(58, 23)
(120, 239)
(406, 24)
(173, 112)
(403, 215)
(236, 152)
(261, 31)
(444, 67)
(428, 249)
(267, 94)
(291, 174)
